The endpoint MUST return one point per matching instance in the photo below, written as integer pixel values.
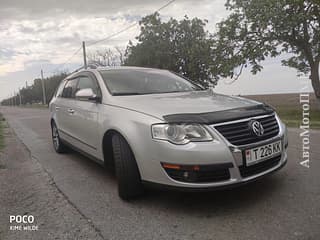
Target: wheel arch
(107, 150)
(52, 121)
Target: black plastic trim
(207, 189)
(77, 139)
(204, 174)
(97, 160)
(219, 116)
(206, 167)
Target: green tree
(181, 46)
(258, 29)
(33, 93)
(52, 83)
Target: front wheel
(59, 147)
(127, 172)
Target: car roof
(122, 67)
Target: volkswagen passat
(156, 127)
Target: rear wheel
(127, 172)
(59, 147)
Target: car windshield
(145, 81)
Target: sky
(44, 34)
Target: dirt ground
(26, 189)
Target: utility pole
(84, 55)
(43, 89)
(121, 57)
(14, 99)
(20, 97)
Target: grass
(1, 132)
(289, 108)
(292, 116)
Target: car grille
(240, 133)
(204, 175)
(247, 171)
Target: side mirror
(87, 94)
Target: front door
(87, 114)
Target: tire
(127, 172)
(58, 145)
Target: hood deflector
(219, 116)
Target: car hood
(160, 105)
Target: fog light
(171, 166)
(181, 167)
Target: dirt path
(26, 189)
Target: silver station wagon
(158, 128)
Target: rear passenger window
(70, 88)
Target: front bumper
(218, 152)
(215, 187)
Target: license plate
(258, 154)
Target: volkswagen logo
(257, 128)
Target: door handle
(57, 108)
(71, 111)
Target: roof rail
(93, 65)
(78, 69)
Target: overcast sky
(39, 34)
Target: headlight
(180, 133)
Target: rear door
(55, 106)
(66, 111)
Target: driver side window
(69, 89)
(87, 82)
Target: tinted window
(69, 88)
(87, 82)
(145, 81)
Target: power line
(166, 5)
(113, 35)
(104, 39)
(69, 59)
(108, 37)
(127, 28)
